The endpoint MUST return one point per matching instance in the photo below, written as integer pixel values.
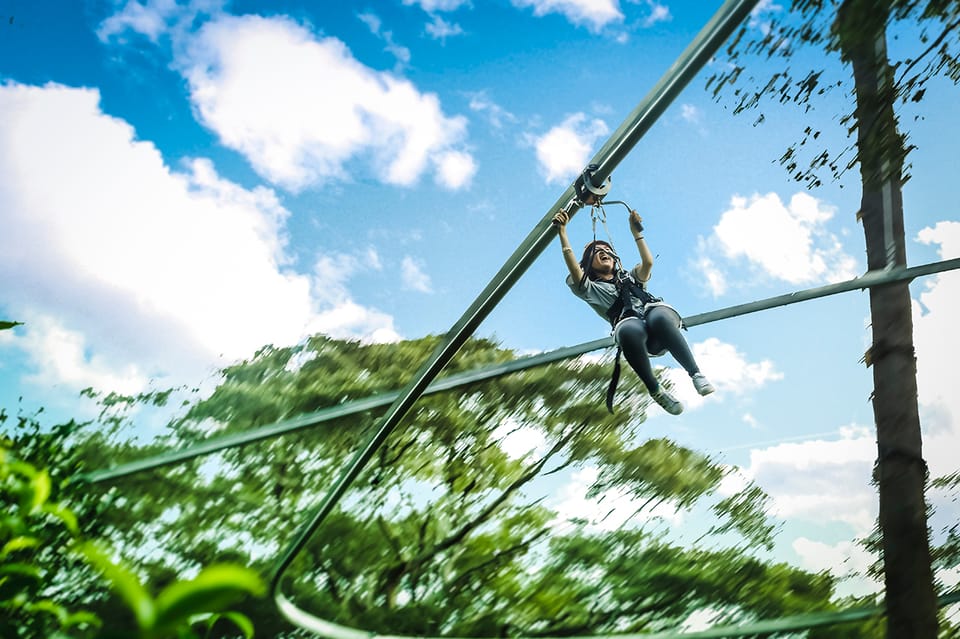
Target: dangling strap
(614, 380)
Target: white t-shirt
(601, 295)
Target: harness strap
(621, 309)
(612, 388)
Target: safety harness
(622, 309)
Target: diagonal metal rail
(621, 142)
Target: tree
(451, 530)
(857, 31)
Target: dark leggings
(658, 330)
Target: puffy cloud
(455, 169)
(431, 6)
(156, 18)
(726, 368)
(440, 29)
(658, 13)
(691, 113)
(264, 86)
(495, 114)
(61, 357)
(802, 478)
(786, 241)
(595, 14)
(373, 22)
(518, 440)
(937, 343)
(129, 269)
(564, 150)
(413, 277)
(843, 559)
(609, 510)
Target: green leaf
(41, 490)
(240, 620)
(82, 618)
(15, 578)
(20, 568)
(4, 325)
(215, 588)
(48, 606)
(123, 582)
(65, 515)
(22, 468)
(18, 543)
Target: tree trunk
(900, 470)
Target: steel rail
(760, 628)
(621, 142)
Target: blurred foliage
(454, 528)
(928, 49)
(44, 558)
(6, 325)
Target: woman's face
(603, 262)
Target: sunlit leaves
(454, 525)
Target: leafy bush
(40, 542)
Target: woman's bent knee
(661, 320)
(630, 331)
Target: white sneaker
(667, 401)
(702, 384)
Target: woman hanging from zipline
(643, 325)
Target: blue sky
(185, 182)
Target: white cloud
(802, 479)
(595, 14)
(726, 368)
(937, 344)
(61, 357)
(843, 559)
(658, 13)
(455, 169)
(609, 510)
(518, 441)
(495, 114)
(413, 277)
(788, 241)
(565, 149)
(299, 107)
(130, 269)
(431, 6)
(155, 18)
(761, 15)
(373, 22)
(713, 275)
(440, 29)
(691, 113)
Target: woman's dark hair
(586, 262)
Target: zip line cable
(458, 380)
